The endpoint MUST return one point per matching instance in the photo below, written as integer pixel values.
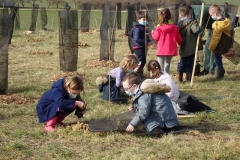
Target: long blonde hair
(128, 62)
(73, 83)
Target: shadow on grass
(231, 76)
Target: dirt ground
(17, 99)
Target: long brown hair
(154, 66)
(165, 16)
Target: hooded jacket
(138, 36)
(167, 36)
(219, 26)
(153, 108)
(57, 98)
(189, 30)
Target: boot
(218, 74)
(180, 77)
(50, 124)
(189, 76)
(60, 118)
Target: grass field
(95, 19)
(31, 71)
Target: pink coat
(167, 36)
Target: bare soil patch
(102, 63)
(17, 99)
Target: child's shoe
(50, 124)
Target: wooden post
(196, 51)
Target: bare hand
(130, 108)
(81, 105)
(130, 128)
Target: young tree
(20, 2)
(77, 3)
(55, 2)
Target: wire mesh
(107, 32)
(68, 40)
(85, 17)
(17, 18)
(34, 15)
(119, 16)
(43, 17)
(4, 40)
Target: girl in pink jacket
(167, 36)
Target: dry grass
(30, 75)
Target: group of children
(154, 110)
(185, 34)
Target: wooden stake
(186, 116)
(196, 51)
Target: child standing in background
(167, 35)
(61, 100)
(219, 27)
(189, 30)
(140, 39)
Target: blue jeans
(218, 61)
(141, 56)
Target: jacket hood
(221, 25)
(167, 27)
(151, 86)
(58, 84)
(184, 23)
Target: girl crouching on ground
(61, 100)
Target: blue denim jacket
(153, 110)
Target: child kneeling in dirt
(152, 106)
(61, 100)
(115, 77)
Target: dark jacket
(114, 90)
(57, 98)
(138, 36)
(189, 30)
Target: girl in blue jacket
(61, 100)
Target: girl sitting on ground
(115, 77)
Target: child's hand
(81, 105)
(130, 128)
(130, 108)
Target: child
(140, 39)
(154, 110)
(189, 31)
(116, 75)
(167, 35)
(61, 100)
(164, 78)
(220, 26)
